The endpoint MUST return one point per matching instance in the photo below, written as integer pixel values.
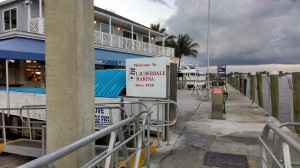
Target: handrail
(30, 128)
(166, 123)
(51, 157)
(286, 142)
(31, 107)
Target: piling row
(256, 83)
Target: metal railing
(167, 123)
(37, 25)
(279, 154)
(107, 155)
(158, 122)
(5, 112)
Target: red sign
(217, 90)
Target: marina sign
(147, 77)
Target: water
(285, 98)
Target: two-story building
(22, 40)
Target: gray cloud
(244, 32)
(160, 1)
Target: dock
(197, 140)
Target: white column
(40, 9)
(40, 19)
(132, 37)
(110, 36)
(29, 15)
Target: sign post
(222, 71)
(149, 78)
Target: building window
(33, 71)
(10, 19)
(145, 39)
(127, 34)
(105, 28)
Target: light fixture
(118, 28)
(95, 21)
(152, 38)
(34, 61)
(28, 61)
(38, 73)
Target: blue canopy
(30, 49)
(21, 48)
(108, 83)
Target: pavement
(197, 140)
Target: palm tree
(184, 46)
(156, 27)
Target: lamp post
(7, 82)
(208, 48)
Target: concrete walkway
(197, 134)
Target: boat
(189, 75)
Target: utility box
(217, 102)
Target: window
(10, 19)
(128, 34)
(105, 28)
(146, 39)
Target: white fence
(37, 26)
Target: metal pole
(7, 84)
(208, 48)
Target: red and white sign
(147, 77)
(217, 90)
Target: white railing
(37, 26)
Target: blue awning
(23, 49)
(108, 83)
(30, 49)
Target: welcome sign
(147, 77)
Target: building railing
(277, 152)
(37, 25)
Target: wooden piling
(296, 98)
(242, 85)
(274, 94)
(245, 86)
(237, 82)
(252, 87)
(260, 90)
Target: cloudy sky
(246, 32)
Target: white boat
(189, 75)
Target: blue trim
(105, 57)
